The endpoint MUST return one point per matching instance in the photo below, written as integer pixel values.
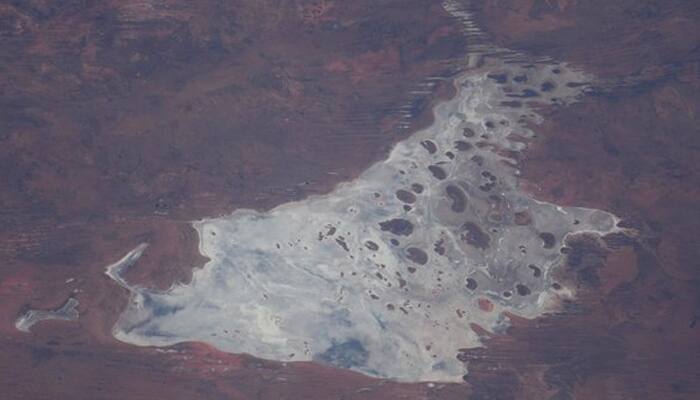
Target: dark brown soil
(633, 148)
(121, 121)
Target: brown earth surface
(123, 121)
(631, 147)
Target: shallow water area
(385, 274)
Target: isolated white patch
(67, 312)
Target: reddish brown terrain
(121, 121)
(632, 147)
